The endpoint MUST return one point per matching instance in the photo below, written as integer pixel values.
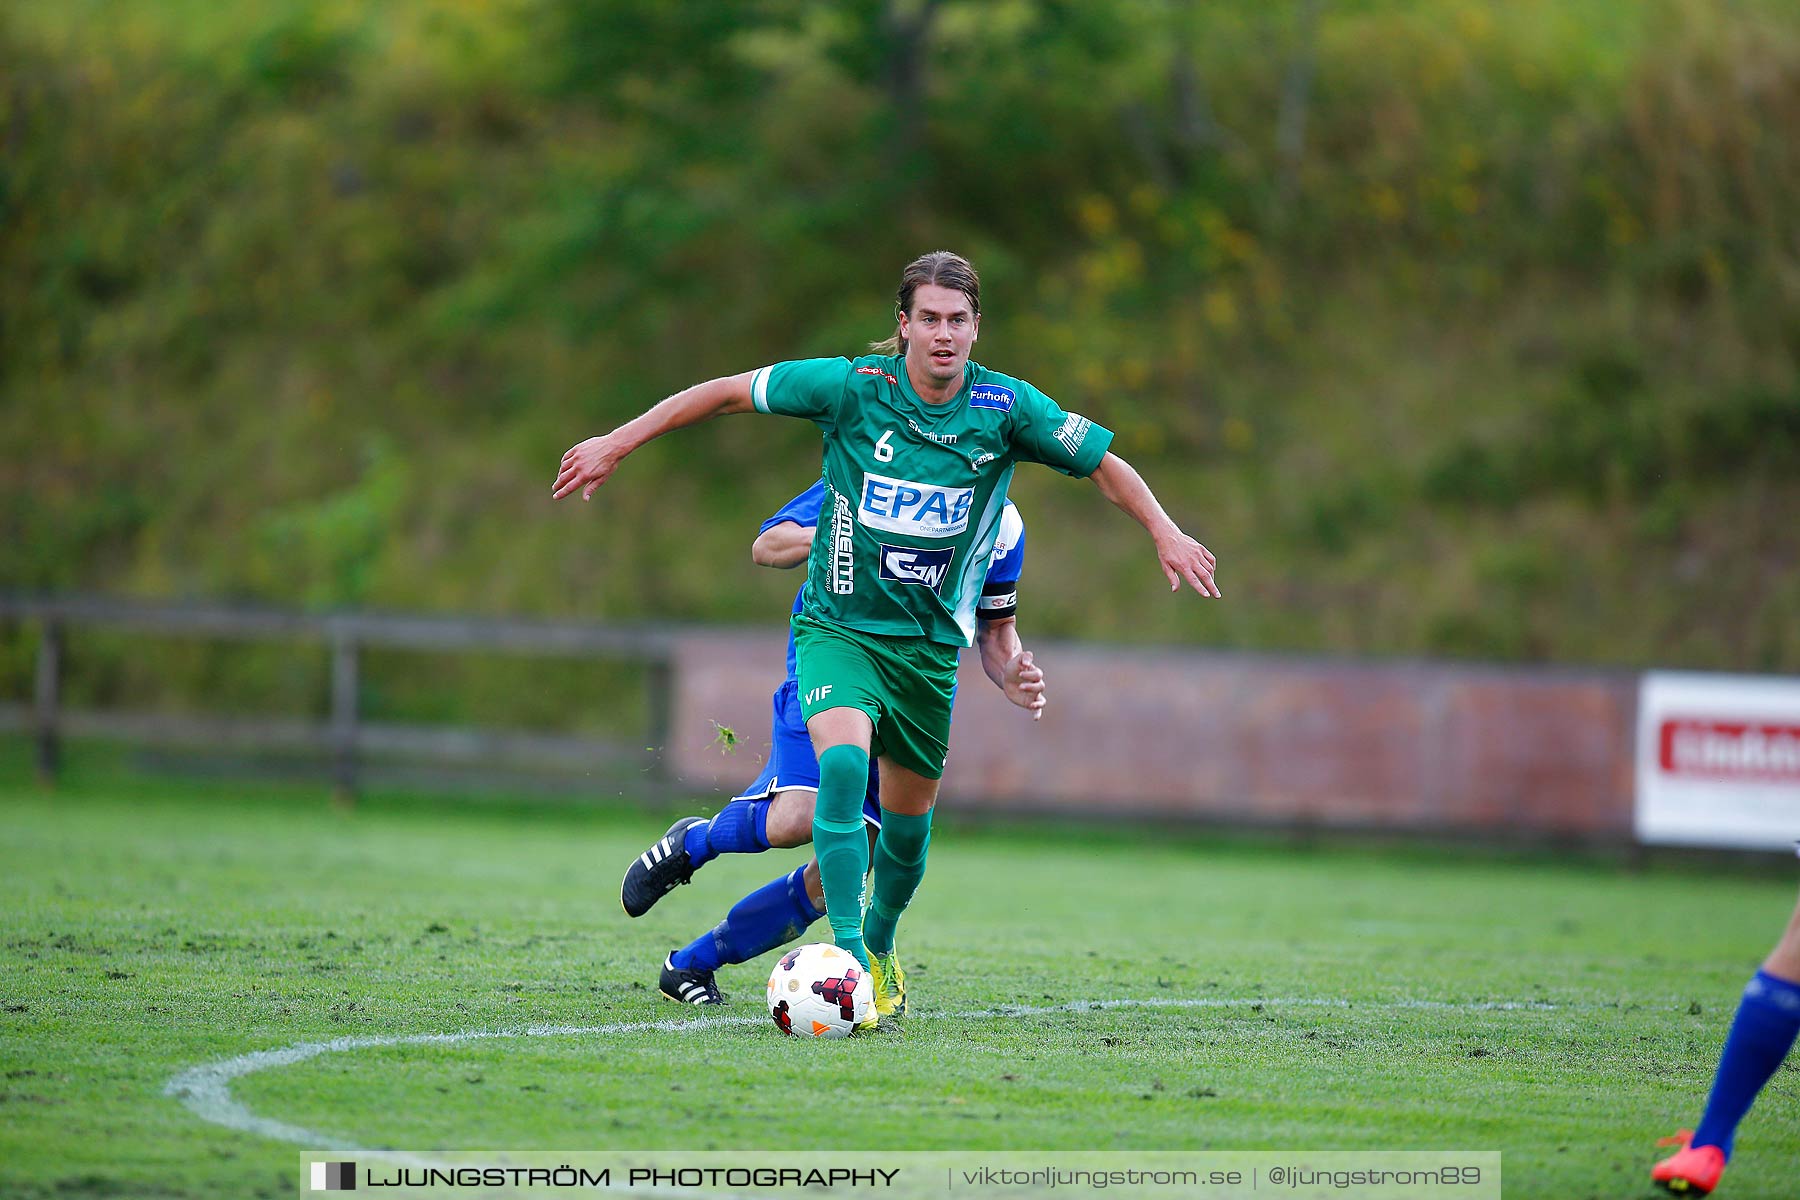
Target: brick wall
(1518, 752)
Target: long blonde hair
(940, 268)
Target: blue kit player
(1762, 1033)
(777, 810)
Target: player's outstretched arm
(1009, 665)
(1181, 556)
(784, 545)
(587, 465)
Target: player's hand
(1184, 558)
(1025, 684)
(587, 465)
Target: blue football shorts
(792, 763)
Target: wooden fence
(341, 735)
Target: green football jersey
(914, 491)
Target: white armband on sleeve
(997, 600)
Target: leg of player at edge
(907, 800)
(1762, 1033)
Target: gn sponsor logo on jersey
(906, 564)
(917, 509)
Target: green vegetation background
(1462, 329)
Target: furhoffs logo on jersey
(843, 547)
(991, 395)
(905, 564)
(916, 509)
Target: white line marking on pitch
(205, 1090)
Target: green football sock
(840, 844)
(899, 866)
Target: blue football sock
(1763, 1031)
(694, 842)
(740, 828)
(773, 915)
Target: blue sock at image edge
(1762, 1033)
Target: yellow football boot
(890, 984)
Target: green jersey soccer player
(919, 446)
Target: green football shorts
(906, 686)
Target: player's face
(939, 332)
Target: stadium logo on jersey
(915, 509)
(927, 568)
(1074, 431)
(843, 547)
(991, 395)
(942, 439)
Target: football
(819, 991)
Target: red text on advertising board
(1761, 751)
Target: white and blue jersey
(792, 763)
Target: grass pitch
(1303, 998)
